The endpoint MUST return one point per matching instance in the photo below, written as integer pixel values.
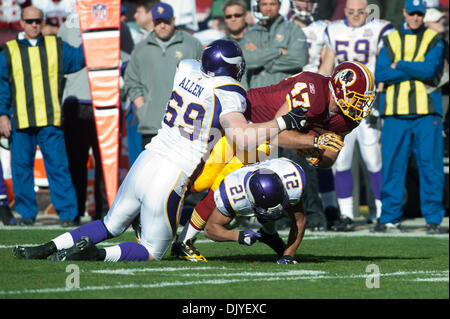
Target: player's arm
(298, 217)
(248, 136)
(295, 140)
(215, 227)
(327, 65)
(215, 230)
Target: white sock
(346, 206)
(187, 233)
(113, 253)
(64, 241)
(378, 206)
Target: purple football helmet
(266, 193)
(223, 57)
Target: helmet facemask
(356, 106)
(352, 104)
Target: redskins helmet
(352, 87)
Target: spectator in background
(139, 31)
(274, 48)
(80, 129)
(356, 39)
(149, 74)
(144, 20)
(412, 118)
(30, 115)
(235, 13)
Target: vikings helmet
(266, 193)
(305, 14)
(352, 87)
(223, 57)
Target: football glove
(286, 260)
(293, 120)
(328, 141)
(248, 237)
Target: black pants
(80, 135)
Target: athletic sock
(95, 230)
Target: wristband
(281, 123)
(316, 140)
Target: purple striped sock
(131, 251)
(95, 230)
(344, 183)
(375, 182)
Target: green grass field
(331, 266)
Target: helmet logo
(347, 77)
(235, 60)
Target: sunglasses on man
(31, 21)
(420, 14)
(236, 15)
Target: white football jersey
(55, 11)
(316, 41)
(191, 122)
(357, 44)
(230, 196)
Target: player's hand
(328, 141)
(286, 260)
(248, 237)
(293, 120)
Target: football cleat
(274, 241)
(7, 216)
(186, 250)
(84, 249)
(387, 228)
(343, 224)
(432, 229)
(35, 252)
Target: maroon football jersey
(306, 89)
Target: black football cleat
(36, 252)
(274, 241)
(84, 249)
(186, 250)
(343, 225)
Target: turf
(330, 266)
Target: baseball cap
(433, 15)
(162, 11)
(415, 6)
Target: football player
(263, 190)
(333, 107)
(304, 14)
(206, 98)
(356, 38)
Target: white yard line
(291, 275)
